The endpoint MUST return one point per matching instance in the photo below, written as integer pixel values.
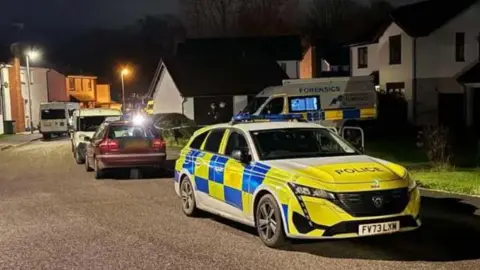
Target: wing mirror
(87, 139)
(241, 156)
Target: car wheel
(268, 220)
(77, 157)
(46, 136)
(98, 172)
(189, 205)
(87, 165)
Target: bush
(176, 128)
(437, 146)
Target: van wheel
(268, 220)
(45, 136)
(78, 160)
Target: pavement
(54, 215)
(9, 141)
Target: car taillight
(158, 144)
(109, 145)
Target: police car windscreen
(299, 143)
(50, 114)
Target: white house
(213, 92)
(38, 90)
(426, 47)
(5, 106)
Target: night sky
(81, 14)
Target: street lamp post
(30, 55)
(123, 73)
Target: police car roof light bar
(266, 118)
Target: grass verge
(459, 181)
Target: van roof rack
(246, 118)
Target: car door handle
(219, 169)
(198, 163)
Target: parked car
(84, 124)
(124, 144)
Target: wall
(436, 53)
(103, 93)
(6, 103)
(308, 65)
(397, 73)
(372, 60)
(167, 98)
(56, 86)
(291, 68)
(38, 90)
(16, 99)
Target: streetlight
(125, 71)
(30, 55)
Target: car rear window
(132, 132)
(49, 114)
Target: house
(322, 58)
(286, 50)
(420, 55)
(82, 89)
(210, 87)
(45, 85)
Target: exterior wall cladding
(56, 86)
(16, 99)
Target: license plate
(379, 228)
(136, 145)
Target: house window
(362, 57)
(460, 47)
(395, 43)
(71, 84)
(89, 85)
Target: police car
(293, 179)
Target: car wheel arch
(259, 193)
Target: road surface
(54, 215)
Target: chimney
(16, 98)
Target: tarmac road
(54, 215)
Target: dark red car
(122, 144)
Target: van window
(274, 106)
(48, 114)
(303, 104)
(254, 105)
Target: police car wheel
(189, 206)
(268, 220)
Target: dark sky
(89, 13)
(82, 13)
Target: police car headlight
(311, 192)
(412, 184)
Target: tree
(342, 20)
(237, 17)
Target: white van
(329, 101)
(55, 118)
(85, 123)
